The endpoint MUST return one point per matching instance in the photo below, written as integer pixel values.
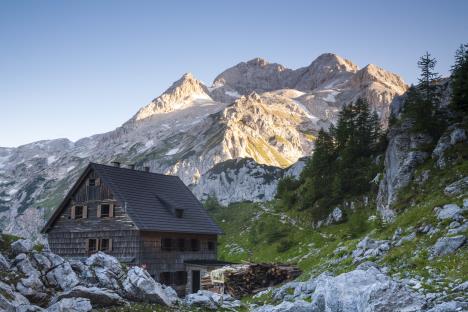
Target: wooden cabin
(142, 218)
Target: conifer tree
(459, 101)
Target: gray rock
(98, 297)
(286, 306)
(71, 305)
(449, 211)
(4, 263)
(32, 288)
(446, 141)
(406, 238)
(335, 216)
(22, 246)
(365, 289)
(460, 229)
(451, 306)
(140, 286)
(11, 301)
(58, 272)
(104, 270)
(462, 287)
(211, 300)
(456, 188)
(447, 245)
(401, 159)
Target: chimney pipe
(116, 164)
(131, 166)
(147, 169)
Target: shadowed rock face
(256, 110)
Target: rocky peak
(327, 70)
(183, 93)
(332, 62)
(373, 73)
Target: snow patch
(331, 97)
(70, 168)
(149, 143)
(233, 94)
(172, 151)
(51, 159)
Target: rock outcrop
(364, 289)
(42, 279)
(404, 153)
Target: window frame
(179, 213)
(165, 246)
(81, 209)
(195, 244)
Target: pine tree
(459, 101)
(427, 80)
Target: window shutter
(98, 181)
(99, 211)
(73, 212)
(87, 245)
(85, 212)
(110, 244)
(111, 210)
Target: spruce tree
(459, 101)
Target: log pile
(250, 279)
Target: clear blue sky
(77, 68)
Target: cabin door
(195, 281)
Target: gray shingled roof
(151, 200)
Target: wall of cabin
(68, 237)
(157, 260)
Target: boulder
(140, 286)
(11, 300)
(456, 188)
(450, 306)
(71, 305)
(406, 238)
(447, 245)
(4, 263)
(335, 216)
(57, 272)
(32, 288)
(447, 140)
(105, 270)
(22, 246)
(366, 288)
(449, 211)
(210, 300)
(98, 297)
(287, 306)
(459, 229)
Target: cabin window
(78, 212)
(195, 244)
(165, 278)
(181, 244)
(166, 244)
(92, 182)
(180, 278)
(92, 245)
(211, 245)
(105, 246)
(179, 213)
(105, 210)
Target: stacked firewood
(250, 279)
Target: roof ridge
(139, 171)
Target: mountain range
(234, 139)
